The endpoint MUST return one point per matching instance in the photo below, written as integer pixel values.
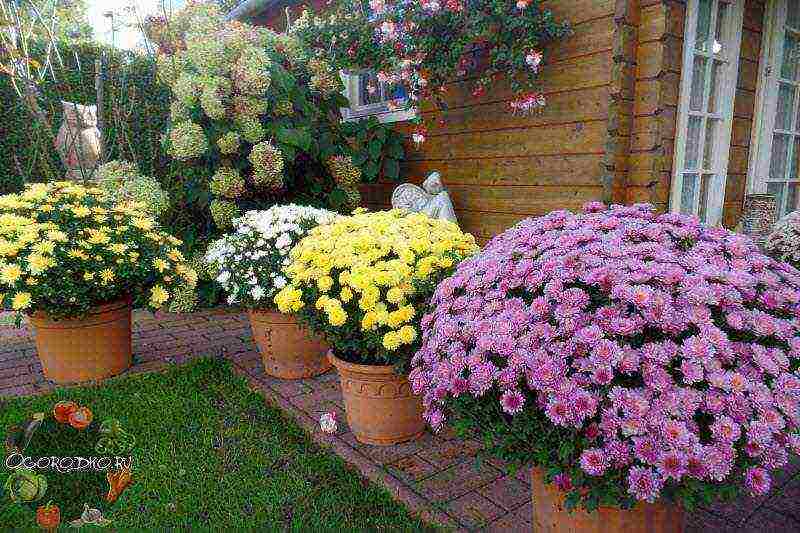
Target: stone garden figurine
(78, 140)
(431, 199)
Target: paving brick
(412, 468)
(517, 521)
(384, 455)
(451, 452)
(508, 492)
(474, 511)
(457, 480)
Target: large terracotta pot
(380, 407)
(287, 350)
(95, 347)
(550, 516)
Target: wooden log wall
(607, 132)
(658, 74)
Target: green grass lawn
(210, 453)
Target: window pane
(780, 154)
(717, 75)
(791, 199)
(791, 50)
(793, 159)
(712, 126)
(720, 45)
(693, 142)
(703, 24)
(687, 193)
(369, 89)
(698, 84)
(793, 14)
(776, 189)
(783, 116)
(705, 185)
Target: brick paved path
(435, 476)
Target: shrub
(122, 182)
(783, 243)
(631, 355)
(65, 249)
(263, 111)
(249, 263)
(363, 281)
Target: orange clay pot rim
(364, 369)
(122, 303)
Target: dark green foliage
(377, 149)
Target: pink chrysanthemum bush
(631, 355)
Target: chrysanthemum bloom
(670, 349)
(187, 141)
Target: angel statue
(431, 199)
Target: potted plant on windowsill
(249, 263)
(363, 282)
(642, 363)
(77, 263)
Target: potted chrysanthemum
(249, 264)
(76, 263)
(643, 363)
(363, 282)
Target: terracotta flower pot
(550, 516)
(287, 350)
(380, 407)
(95, 347)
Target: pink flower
(512, 401)
(672, 465)
(644, 484)
(758, 481)
(563, 481)
(327, 422)
(594, 462)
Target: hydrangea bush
(632, 355)
(783, 243)
(364, 280)
(403, 40)
(249, 263)
(65, 249)
(261, 107)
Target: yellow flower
(159, 264)
(44, 247)
(8, 249)
(143, 223)
(80, 211)
(57, 235)
(395, 295)
(324, 283)
(407, 334)
(391, 341)
(9, 274)
(346, 294)
(118, 248)
(158, 295)
(75, 253)
(21, 300)
(107, 276)
(175, 255)
(88, 276)
(46, 208)
(38, 263)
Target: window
(705, 114)
(777, 147)
(368, 96)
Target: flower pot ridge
(381, 409)
(95, 347)
(287, 350)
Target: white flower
(280, 282)
(327, 423)
(257, 293)
(283, 241)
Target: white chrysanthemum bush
(632, 355)
(249, 263)
(263, 110)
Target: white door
(710, 69)
(774, 166)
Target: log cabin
(691, 105)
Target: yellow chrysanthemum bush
(66, 248)
(364, 281)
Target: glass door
(776, 169)
(708, 87)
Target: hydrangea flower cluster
(364, 280)
(261, 109)
(249, 263)
(783, 243)
(347, 176)
(665, 352)
(122, 182)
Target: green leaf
(395, 149)
(375, 149)
(360, 157)
(297, 137)
(391, 169)
(370, 171)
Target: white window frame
(379, 110)
(725, 101)
(767, 98)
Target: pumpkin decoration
(113, 439)
(81, 418)
(117, 482)
(63, 410)
(25, 486)
(48, 516)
